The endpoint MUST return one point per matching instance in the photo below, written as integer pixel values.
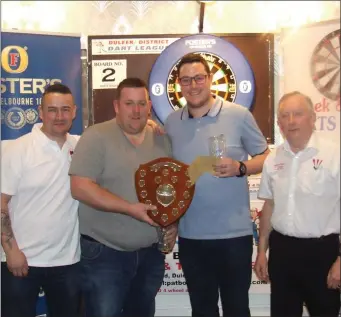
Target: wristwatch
(242, 169)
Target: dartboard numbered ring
(233, 78)
(325, 66)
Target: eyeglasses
(199, 79)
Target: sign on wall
(174, 282)
(30, 63)
(314, 69)
(239, 75)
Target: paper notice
(201, 165)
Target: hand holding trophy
(164, 183)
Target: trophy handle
(162, 245)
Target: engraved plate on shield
(165, 194)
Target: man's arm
(265, 226)
(255, 144)
(15, 258)
(8, 241)
(90, 193)
(265, 193)
(255, 165)
(261, 264)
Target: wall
(157, 17)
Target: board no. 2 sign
(107, 74)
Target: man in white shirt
(40, 234)
(300, 221)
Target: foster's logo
(14, 59)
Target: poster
(142, 45)
(29, 63)
(314, 69)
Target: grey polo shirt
(105, 155)
(220, 208)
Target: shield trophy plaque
(164, 183)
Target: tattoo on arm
(6, 228)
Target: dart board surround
(233, 78)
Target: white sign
(174, 282)
(254, 182)
(107, 74)
(314, 69)
(130, 46)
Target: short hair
(56, 88)
(131, 82)
(286, 96)
(193, 58)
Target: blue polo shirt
(220, 208)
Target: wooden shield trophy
(164, 183)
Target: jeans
(60, 284)
(118, 283)
(217, 267)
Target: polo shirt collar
(213, 112)
(42, 138)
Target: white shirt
(42, 211)
(305, 188)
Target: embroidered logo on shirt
(317, 163)
(70, 155)
(279, 166)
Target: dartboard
(325, 66)
(223, 82)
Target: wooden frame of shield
(164, 183)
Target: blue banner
(30, 63)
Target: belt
(321, 238)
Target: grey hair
(307, 99)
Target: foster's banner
(30, 63)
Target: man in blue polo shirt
(215, 234)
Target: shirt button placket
(291, 194)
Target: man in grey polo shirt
(215, 234)
(122, 269)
